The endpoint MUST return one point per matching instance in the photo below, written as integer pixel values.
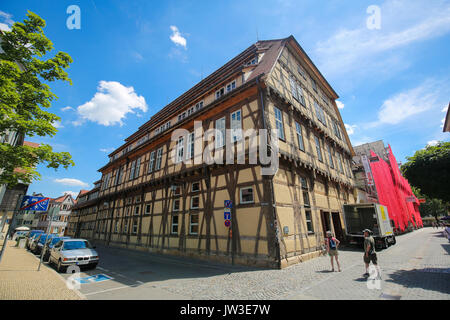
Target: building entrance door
(338, 232)
(325, 217)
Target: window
(301, 97)
(180, 149)
(137, 199)
(136, 211)
(176, 190)
(330, 157)
(152, 162)
(220, 133)
(106, 181)
(319, 113)
(293, 88)
(231, 86)
(337, 132)
(138, 168)
(298, 128)
(135, 226)
(220, 93)
(195, 186)
(133, 169)
(195, 202)
(147, 209)
(279, 123)
(193, 223)
(174, 228)
(309, 223)
(301, 71)
(118, 175)
(236, 126)
(340, 162)
(176, 205)
(158, 158)
(319, 151)
(246, 195)
(199, 105)
(314, 84)
(190, 146)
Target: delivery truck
(372, 216)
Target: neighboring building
(146, 201)
(446, 127)
(379, 180)
(56, 218)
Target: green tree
(25, 96)
(429, 170)
(431, 207)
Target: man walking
(369, 252)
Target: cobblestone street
(417, 267)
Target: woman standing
(332, 249)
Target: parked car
(34, 243)
(42, 240)
(31, 236)
(50, 244)
(73, 252)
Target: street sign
(228, 204)
(227, 223)
(227, 215)
(31, 203)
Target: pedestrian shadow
(360, 279)
(433, 279)
(325, 271)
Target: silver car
(73, 252)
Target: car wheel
(59, 266)
(393, 240)
(385, 243)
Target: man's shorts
(333, 253)
(371, 257)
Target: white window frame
(231, 86)
(279, 123)
(318, 149)
(300, 141)
(174, 224)
(180, 150)
(159, 158)
(190, 146)
(236, 125)
(220, 93)
(241, 201)
(173, 204)
(220, 138)
(192, 186)
(293, 88)
(191, 224)
(151, 162)
(192, 201)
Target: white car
(73, 252)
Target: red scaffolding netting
(394, 192)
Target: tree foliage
(25, 96)
(431, 207)
(429, 170)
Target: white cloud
(339, 104)
(107, 150)
(67, 108)
(350, 128)
(4, 27)
(57, 124)
(402, 23)
(110, 104)
(71, 182)
(177, 38)
(72, 193)
(408, 103)
(432, 143)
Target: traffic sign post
(228, 204)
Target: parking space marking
(93, 279)
(112, 289)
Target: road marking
(107, 290)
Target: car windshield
(43, 238)
(74, 245)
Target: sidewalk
(20, 280)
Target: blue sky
(133, 57)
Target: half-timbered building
(150, 199)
